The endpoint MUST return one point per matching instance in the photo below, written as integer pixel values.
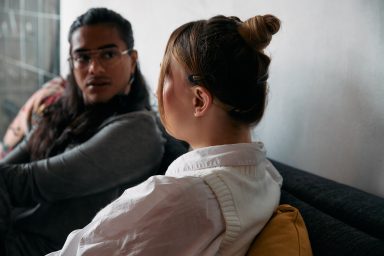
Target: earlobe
(202, 101)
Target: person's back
(246, 186)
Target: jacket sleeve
(125, 151)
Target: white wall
(325, 113)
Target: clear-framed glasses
(107, 57)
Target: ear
(202, 101)
(133, 55)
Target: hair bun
(258, 30)
(272, 23)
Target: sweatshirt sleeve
(20, 154)
(125, 151)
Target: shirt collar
(215, 156)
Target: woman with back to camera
(98, 139)
(216, 198)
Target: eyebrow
(107, 46)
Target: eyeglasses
(107, 57)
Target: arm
(5, 211)
(125, 151)
(161, 216)
(20, 154)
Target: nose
(95, 66)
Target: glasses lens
(109, 57)
(104, 57)
(81, 59)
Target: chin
(89, 101)
(95, 100)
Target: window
(29, 51)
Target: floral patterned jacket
(30, 114)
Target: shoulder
(137, 122)
(175, 191)
(142, 116)
(128, 133)
(173, 186)
(159, 192)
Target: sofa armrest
(358, 209)
(330, 236)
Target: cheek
(171, 105)
(120, 74)
(79, 78)
(170, 109)
(167, 97)
(171, 96)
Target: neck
(222, 133)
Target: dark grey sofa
(341, 220)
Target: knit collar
(215, 156)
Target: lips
(98, 82)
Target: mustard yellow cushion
(284, 234)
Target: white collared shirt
(212, 201)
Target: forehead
(96, 37)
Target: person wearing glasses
(216, 198)
(99, 138)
